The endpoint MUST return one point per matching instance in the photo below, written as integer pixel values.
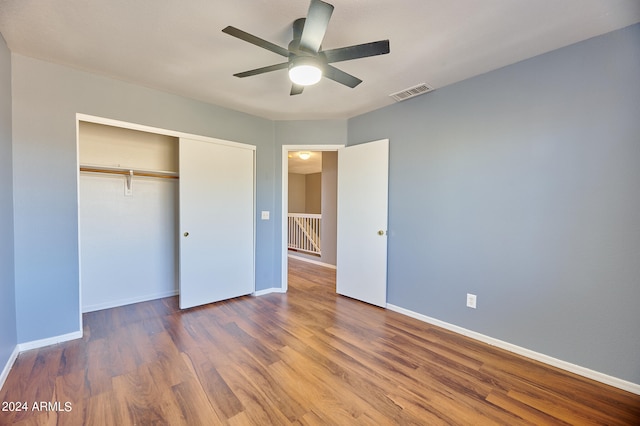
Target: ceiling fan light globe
(305, 70)
(305, 75)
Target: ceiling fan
(307, 62)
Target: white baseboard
(315, 262)
(268, 291)
(128, 301)
(564, 365)
(35, 344)
(8, 365)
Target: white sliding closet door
(216, 222)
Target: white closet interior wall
(128, 242)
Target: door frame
(284, 209)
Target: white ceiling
(178, 46)
(304, 167)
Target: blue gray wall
(522, 186)
(8, 338)
(46, 98)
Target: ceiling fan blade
(296, 89)
(262, 70)
(242, 35)
(315, 26)
(341, 77)
(358, 51)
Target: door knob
(186, 234)
(381, 232)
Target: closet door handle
(186, 234)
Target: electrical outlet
(471, 300)
(265, 215)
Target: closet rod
(126, 172)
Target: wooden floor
(305, 357)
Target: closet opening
(128, 215)
(149, 218)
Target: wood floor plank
(39, 419)
(98, 375)
(307, 357)
(275, 393)
(67, 389)
(221, 397)
(168, 362)
(40, 383)
(15, 385)
(136, 393)
(258, 407)
(104, 409)
(430, 410)
(194, 405)
(348, 391)
(522, 410)
(73, 357)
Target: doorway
(362, 219)
(287, 151)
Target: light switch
(265, 215)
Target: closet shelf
(90, 168)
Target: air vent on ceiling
(411, 92)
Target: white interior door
(216, 222)
(363, 181)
